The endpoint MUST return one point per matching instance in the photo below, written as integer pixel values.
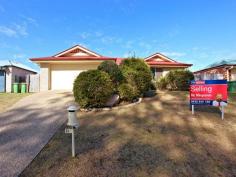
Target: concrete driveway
(27, 127)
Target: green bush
(153, 86)
(92, 88)
(137, 72)
(128, 92)
(179, 79)
(111, 68)
(162, 83)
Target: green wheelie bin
(23, 87)
(15, 87)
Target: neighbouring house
(161, 64)
(225, 69)
(11, 72)
(58, 72)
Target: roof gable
(157, 57)
(77, 51)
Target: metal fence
(33, 82)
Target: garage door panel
(62, 77)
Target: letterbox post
(73, 124)
(73, 142)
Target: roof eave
(214, 67)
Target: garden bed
(118, 106)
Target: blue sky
(199, 32)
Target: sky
(199, 32)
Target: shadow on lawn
(155, 138)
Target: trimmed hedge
(111, 68)
(92, 88)
(138, 73)
(127, 92)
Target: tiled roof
(222, 62)
(168, 63)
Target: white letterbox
(72, 118)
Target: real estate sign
(209, 92)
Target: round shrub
(137, 72)
(127, 92)
(92, 88)
(111, 68)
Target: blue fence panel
(2, 81)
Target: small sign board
(209, 92)
(68, 130)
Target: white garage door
(63, 76)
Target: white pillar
(44, 77)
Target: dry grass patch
(8, 99)
(158, 137)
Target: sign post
(192, 109)
(209, 92)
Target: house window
(218, 76)
(158, 73)
(233, 75)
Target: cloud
(145, 45)
(110, 40)
(18, 29)
(85, 35)
(128, 44)
(14, 31)
(8, 31)
(174, 54)
(21, 29)
(107, 40)
(98, 34)
(19, 56)
(30, 20)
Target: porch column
(44, 77)
(9, 79)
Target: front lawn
(158, 137)
(8, 99)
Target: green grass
(158, 137)
(8, 99)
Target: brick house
(59, 71)
(222, 70)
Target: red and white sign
(209, 92)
